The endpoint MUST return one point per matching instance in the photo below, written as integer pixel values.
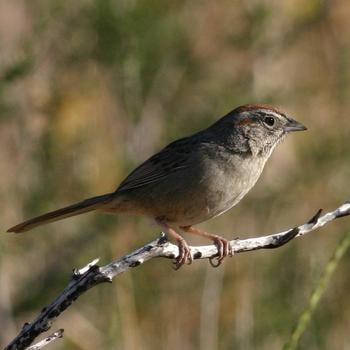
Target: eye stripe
(246, 121)
(270, 114)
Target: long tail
(66, 212)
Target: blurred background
(90, 88)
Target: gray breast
(228, 181)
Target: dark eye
(270, 121)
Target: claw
(215, 264)
(222, 244)
(224, 250)
(185, 256)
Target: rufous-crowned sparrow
(194, 178)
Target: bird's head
(261, 126)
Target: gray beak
(293, 125)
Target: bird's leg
(223, 245)
(184, 250)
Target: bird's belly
(205, 202)
(219, 194)
(201, 209)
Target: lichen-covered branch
(92, 274)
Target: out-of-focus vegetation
(88, 89)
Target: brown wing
(172, 158)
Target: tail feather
(66, 212)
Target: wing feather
(173, 157)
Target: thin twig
(92, 274)
(48, 340)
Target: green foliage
(322, 285)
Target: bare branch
(92, 274)
(48, 340)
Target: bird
(194, 178)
